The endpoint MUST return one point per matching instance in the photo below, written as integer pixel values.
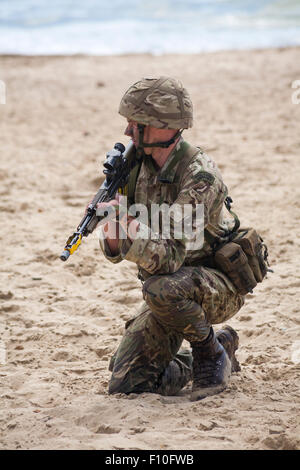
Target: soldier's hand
(112, 203)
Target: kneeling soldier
(184, 293)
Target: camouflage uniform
(184, 294)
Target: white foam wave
(137, 26)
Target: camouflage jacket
(197, 182)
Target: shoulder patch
(205, 176)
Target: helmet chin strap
(166, 144)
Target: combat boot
(176, 375)
(229, 339)
(211, 367)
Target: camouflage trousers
(178, 306)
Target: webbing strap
(132, 180)
(179, 156)
(228, 201)
(186, 154)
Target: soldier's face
(133, 132)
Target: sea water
(145, 26)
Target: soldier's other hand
(113, 202)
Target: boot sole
(206, 392)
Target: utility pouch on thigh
(232, 261)
(256, 251)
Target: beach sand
(60, 322)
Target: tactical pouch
(257, 253)
(244, 257)
(232, 261)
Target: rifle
(117, 166)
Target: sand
(60, 322)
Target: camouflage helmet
(159, 102)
